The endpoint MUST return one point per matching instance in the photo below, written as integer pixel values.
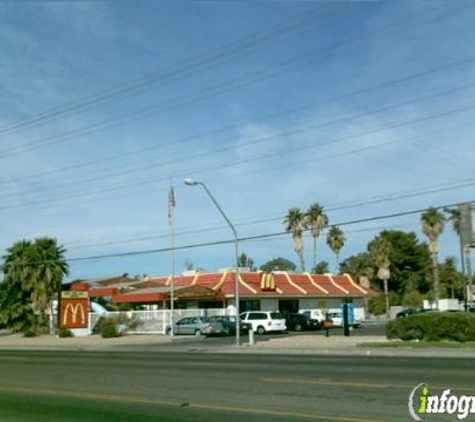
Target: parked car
(301, 322)
(265, 321)
(197, 326)
(314, 314)
(229, 324)
(409, 311)
(336, 318)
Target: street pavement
(37, 386)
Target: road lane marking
(161, 402)
(330, 383)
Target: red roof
(286, 284)
(282, 285)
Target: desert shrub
(433, 326)
(108, 328)
(65, 333)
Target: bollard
(252, 341)
(327, 324)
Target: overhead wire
(244, 239)
(258, 76)
(251, 142)
(305, 107)
(249, 44)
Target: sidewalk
(295, 345)
(94, 342)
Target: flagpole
(171, 206)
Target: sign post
(467, 239)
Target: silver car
(197, 326)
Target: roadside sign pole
(171, 207)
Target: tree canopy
(295, 224)
(278, 264)
(246, 262)
(322, 267)
(33, 273)
(315, 220)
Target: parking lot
(372, 328)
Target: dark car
(229, 324)
(407, 312)
(301, 322)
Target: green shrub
(109, 328)
(433, 326)
(65, 333)
(29, 333)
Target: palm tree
(49, 270)
(15, 308)
(315, 220)
(336, 240)
(379, 250)
(294, 224)
(455, 217)
(38, 268)
(433, 222)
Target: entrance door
(288, 306)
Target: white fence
(151, 322)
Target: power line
(234, 126)
(257, 140)
(256, 77)
(231, 51)
(253, 158)
(260, 236)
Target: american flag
(171, 204)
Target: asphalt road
(126, 386)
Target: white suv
(264, 321)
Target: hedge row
(433, 327)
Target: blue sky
(273, 104)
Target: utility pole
(467, 238)
(171, 206)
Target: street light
(192, 182)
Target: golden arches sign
(75, 309)
(74, 313)
(267, 281)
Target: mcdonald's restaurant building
(287, 292)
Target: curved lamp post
(192, 182)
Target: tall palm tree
(295, 224)
(315, 220)
(16, 310)
(379, 250)
(455, 217)
(38, 268)
(49, 271)
(433, 222)
(336, 240)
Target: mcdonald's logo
(74, 313)
(267, 281)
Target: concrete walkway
(294, 345)
(94, 342)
